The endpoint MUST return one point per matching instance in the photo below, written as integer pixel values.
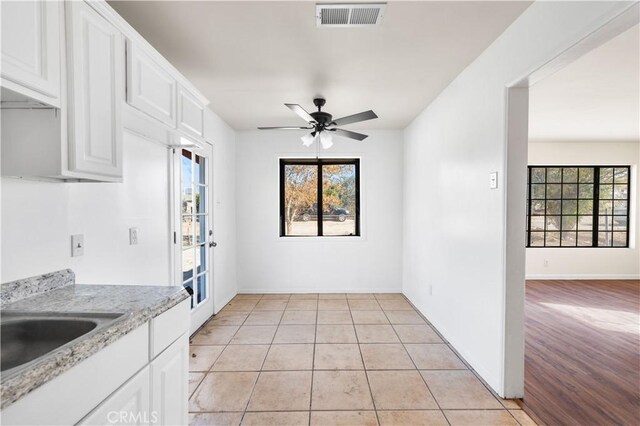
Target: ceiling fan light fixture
(326, 140)
(308, 139)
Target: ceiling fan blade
(301, 112)
(285, 128)
(350, 134)
(355, 118)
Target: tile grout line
(373, 401)
(416, 367)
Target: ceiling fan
(322, 123)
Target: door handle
(213, 244)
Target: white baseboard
(218, 306)
(315, 290)
(582, 277)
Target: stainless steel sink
(27, 336)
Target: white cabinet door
(150, 88)
(190, 113)
(128, 405)
(169, 384)
(95, 54)
(31, 48)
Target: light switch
(77, 245)
(133, 236)
(493, 180)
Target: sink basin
(27, 336)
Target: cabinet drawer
(190, 113)
(150, 88)
(168, 326)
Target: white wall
(39, 217)
(454, 225)
(223, 139)
(269, 263)
(591, 263)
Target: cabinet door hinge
(174, 238)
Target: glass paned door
(193, 229)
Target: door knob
(213, 244)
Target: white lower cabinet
(169, 384)
(129, 405)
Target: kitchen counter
(138, 304)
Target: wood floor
(582, 352)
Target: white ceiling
(249, 58)
(595, 98)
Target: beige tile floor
(333, 359)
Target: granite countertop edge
(63, 359)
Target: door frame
(206, 308)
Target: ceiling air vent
(349, 15)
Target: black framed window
(578, 206)
(319, 197)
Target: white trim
(583, 277)
(305, 290)
(218, 307)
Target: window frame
(595, 214)
(319, 162)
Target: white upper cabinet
(31, 34)
(150, 87)
(95, 57)
(190, 113)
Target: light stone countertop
(138, 304)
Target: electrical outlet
(77, 245)
(133, 236)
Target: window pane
(202, 287)
(537, 191)
(620, 192)
(619, 223)
(569, 207)
(553, 239)
(585, 207)
(554, 191)
(187, 231)
(585, 239)
(199, 172)
(200, 258)
(569, 223)
(537, 207)
(604, 239)
(200, 203)
(187, 264)
(585, 175)
(585, 191)
(554, 174)
(606, 207)
(537, 223)
(537, 239)
(553, 223)
(605, 223)
(619, 239)
(339, 199)
(620, 207)
(568, 239)
(553, 207)
(570, 175)
(585, 223)
(621, 175)
(606, 175)
(606, 192)
(200, 230)
(537, 175)
(300, 199)
(570, 190)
